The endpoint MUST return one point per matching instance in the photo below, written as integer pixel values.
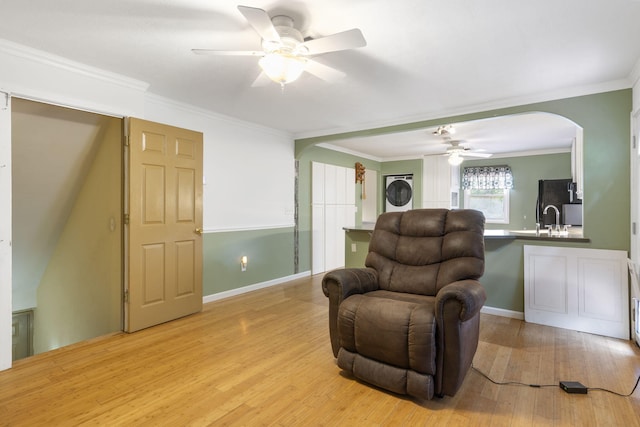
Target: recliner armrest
(340, 284)
(350, 281)
(469, 293)
(457, 309)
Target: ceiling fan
(285, 53)
(457, 152)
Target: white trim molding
(252, 228)
(502, 312)
(250, 288)
(60, 62)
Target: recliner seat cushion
(405, 330)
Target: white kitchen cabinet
(317, 183)
(333, 207)
(436, 182)
(575, 288)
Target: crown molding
(209, 114)
(634, 76)
(470, 109)
(348, 151)
(45, 58)
(530, 153)
(419, 157)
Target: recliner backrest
(421, 250)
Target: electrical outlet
(353, 247)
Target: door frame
(634, 256)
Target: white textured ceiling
(423, 59)
(518, 134)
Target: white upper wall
(249, 169)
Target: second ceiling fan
(457, 152)
(285, 54)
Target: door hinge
(125, 219)
(633, 228)
(5, 102)
(126, 295)
(126, 140)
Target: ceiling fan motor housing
(290, 37)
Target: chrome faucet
(557, 216)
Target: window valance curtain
(487, 178)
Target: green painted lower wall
(360, 239)
(503, 278)
(269, 252)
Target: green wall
(269, 252)
(605, 119)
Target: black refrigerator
(556, 192)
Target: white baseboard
(255, 287)
(502, 312)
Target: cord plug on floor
(573, 387)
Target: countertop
(575, 234)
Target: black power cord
(553, 385)
(512, 382)
(616, 393)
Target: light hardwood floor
(264, 358)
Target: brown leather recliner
(409, 322)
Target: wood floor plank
(264, 358)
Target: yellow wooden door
(164, 236)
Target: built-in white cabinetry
(575, 288)
(333, 206)
(437, 183)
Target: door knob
(198, 231)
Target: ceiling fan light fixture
(444, 130)
(455, 159)
(282, 67)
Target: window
(486, 189)
(493, 203)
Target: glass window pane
(493, 203)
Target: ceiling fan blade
(323, 72)
(227, 52)
(349, 39)
(260, 21)
(472, 154)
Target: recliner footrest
(397, 380)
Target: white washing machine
(399, 193)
